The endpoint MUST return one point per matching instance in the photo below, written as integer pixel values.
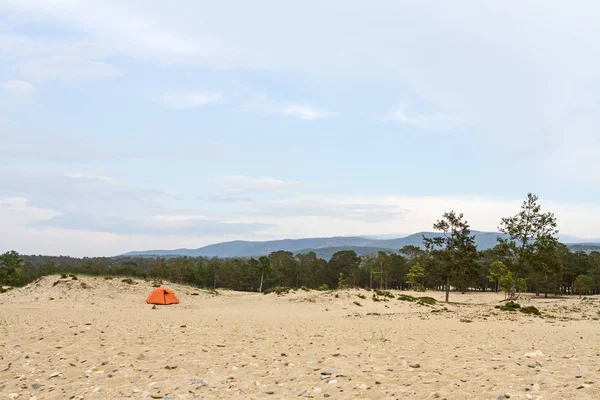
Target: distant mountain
(325, 247)
(240, 248)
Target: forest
(530, 259)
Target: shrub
(362, 296)
(384, 293)
(509, 306)
(530, 310)
(323, 287)
(427, 300)
(279, 290)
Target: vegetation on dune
(528, 258)
(512, 306)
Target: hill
(324, 246)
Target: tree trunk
(262, 274)
(447, 288)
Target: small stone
(529, 396)
(270, 392)
(332, 381)
(302, 392)
(578, 376)
(326, 395)
(36, 386)
(55, 375)
(104, 362)
(501, 397)
(13, 396)
(317, 390)
(415, 365)
(535, 387)
(532, 365)
(141, 357)
(195, 381)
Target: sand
(93, 338)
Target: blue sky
(129, 125)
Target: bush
(509, 306)
(323, 287)
(429, 301)
(384, 293)
(362, 296)
(530, 310)
(63, 276)
(279, 290)
(305, 289)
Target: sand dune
(93, 338)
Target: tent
(162, 296)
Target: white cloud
(66, 68)
(15, 93)
(245, 184)
(189, 100)
(431, 121)
(305, 112)
(262, 104)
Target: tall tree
(529, 233)
(459, 251)
(264, 266)
(344, 262)
(10, 264)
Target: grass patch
(384, 293)
(512, 306)
(279, 290)
(530, 310)
(429, 301)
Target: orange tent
(162, 296)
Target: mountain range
(325, 247)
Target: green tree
(583, 284)
(528, 232)
(344, 262)
(459, 251)
(416, 277)
(10, 265)
(507, 282)
(264, 266)
(497, 269)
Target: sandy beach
(93, 338)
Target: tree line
(528, 258)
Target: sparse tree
(416, 277)
(459, 251)
(529, 233)
(583, 284)
(10, 265)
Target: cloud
(245, 184)
(179, 101)
(178, 226)
(262, 104)
(66, 68)
(317, 206)
(20, 143)
(80, 193)
(15, 93)
(431, 121)
(305, 112)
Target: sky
(142, 124)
